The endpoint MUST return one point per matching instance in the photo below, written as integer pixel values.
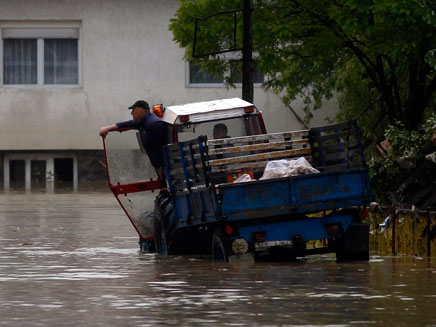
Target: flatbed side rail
(337, 147)
(192, 165)
(254, 152)
(188, 182)
(196, 164)
(296, 194)
(184, 165)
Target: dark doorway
(38, 174)
(64, 172)
(17, 173)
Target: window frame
(41, 30)
(210, 85)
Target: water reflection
(72, 259)
(42, 187)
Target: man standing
(153, 134)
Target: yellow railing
(406, 232)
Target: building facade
(72, 66)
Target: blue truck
(248, 195)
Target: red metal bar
(262, 123)
(175, 134)
(129, 188)
(107, 166)
(151, 185)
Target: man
(220, 131)
(152, 131)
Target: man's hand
(106, 129)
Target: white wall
(126, 53)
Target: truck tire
(170, 240)
(159, 236)
(354, 245)
(147, 246)
(220, 252)
(159, 229)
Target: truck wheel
(354, 245)
(146, 246)
(220, 252)
(159, 233)
(160, 239)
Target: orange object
(184, 118)
(158, 110)
(234, 174)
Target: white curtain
(60, 61)
(19, 61)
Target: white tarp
(282, 168)
(286, 168)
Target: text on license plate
(259, 246)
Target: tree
(430, 17)
(373, 55)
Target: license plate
(260, 246)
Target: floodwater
(73, 260)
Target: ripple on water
(61, 263)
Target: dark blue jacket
(153, 133)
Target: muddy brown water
(73, 260)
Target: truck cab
(191, 120)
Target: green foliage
(402, 140)
(430, 17)
(373, 55)
(377, 57)
(406, 147)
(430, 58)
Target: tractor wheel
(220, 251)
(159, 231)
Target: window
(60, 61)
(40, 56)
(19, 57)
(198, 78)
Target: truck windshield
(232, 127)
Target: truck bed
(198, 174)
(297, 194)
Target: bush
(407, 150)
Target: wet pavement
(73, 260)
